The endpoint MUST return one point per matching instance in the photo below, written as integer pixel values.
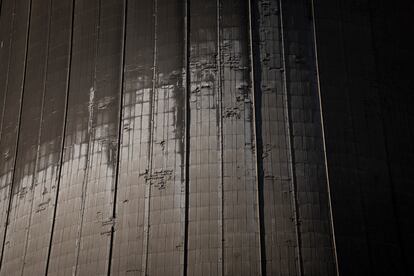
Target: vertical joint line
(90, 148)
(119, 138)
(8, 70)
(39, 136)
(220, 159)
(63, 137)
(187, 23)
(18, 133)
(150, 147)
(318, 83)
(290, 148)
(262, 260)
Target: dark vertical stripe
(258, 145)
(318, 82)
(187, 119)
(18, 131)
(355, 150)
(386, 142)
(68, 76)
(290, 144)
(120, 120)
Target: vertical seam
(119, 138)
(63, 138)
(220, 140)
(290, 147)
(8, 70)
(39, 137)
(187, 24)
(328, 185)
(90, 148)
(150, 147)
(262, 250)
(18, 132)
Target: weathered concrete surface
(167, 137)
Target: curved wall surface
(221, 137)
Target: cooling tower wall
(168, 137)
